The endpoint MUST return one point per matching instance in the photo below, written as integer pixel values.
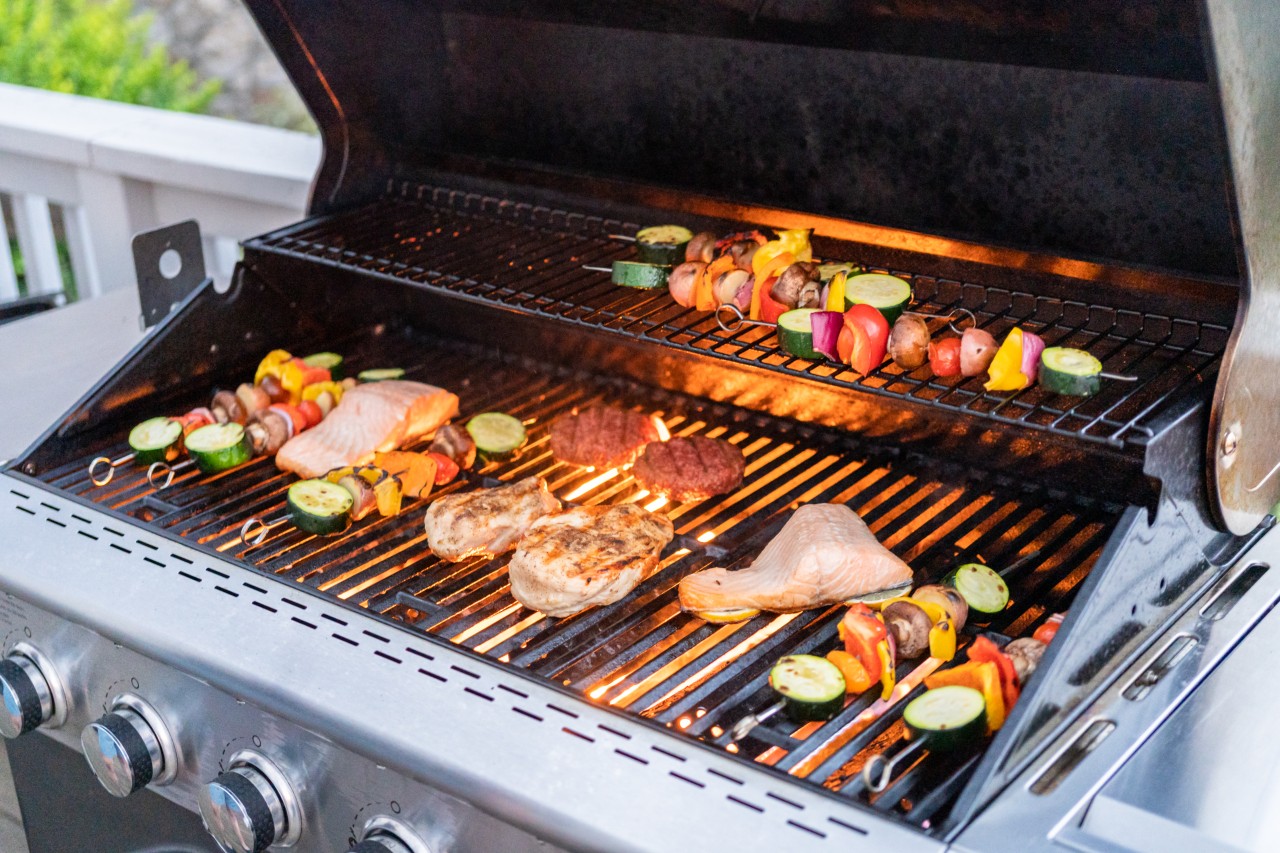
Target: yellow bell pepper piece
(765, 254)
(797, 242)
(291, 380)
(942, 640)
(889, 676)
(270, 365)
(835, 292)
(315, 389)
(1006, 368)
(387, 490)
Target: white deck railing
(110, 170)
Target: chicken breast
(486, 521)
(586, 556)
(373, 417)
(824, 554)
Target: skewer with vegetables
(327, 506)
(288, 395)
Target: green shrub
(96, 48)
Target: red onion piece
(1032, 346)
(977, 348)
(743, 298)
(826, 327)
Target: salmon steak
(371, 418)
(824, 554)
(486, 521)
(586, 556)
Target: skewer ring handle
(155, 470)
(878, 772)
(254, 524)
(737, 318)
(101, 479)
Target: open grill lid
(1091, 133)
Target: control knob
(129, 748)
(251, 806)
(27, 694)
(384, 834)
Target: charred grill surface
(642, 656)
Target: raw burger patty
(601, 436)
(690, 469)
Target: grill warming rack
(643, 656)
(527, 257)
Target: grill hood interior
(1092, 132)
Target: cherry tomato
(944, 357)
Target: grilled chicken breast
(373, 417)
(486, 521)
(586, 556)
(824, 554)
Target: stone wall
(219, 39)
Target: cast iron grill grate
(531, 258)
(643, 656)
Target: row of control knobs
(246, 809)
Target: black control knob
(27, 696)
(123, 750)
(243, 811)
(381, 842)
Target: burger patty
(601, 436)
(689, 469)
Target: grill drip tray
(643, 656)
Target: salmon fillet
(824, 554)
(486, 521)
(373, 417)
(586, 556)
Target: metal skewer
(265, 528)
(623, 237)
(169, 470)
(739, 319)
(878, 771)
(598, 269)
(743, 727)
(112, 465)
(951, 318)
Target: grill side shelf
(529, 259)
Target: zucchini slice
(826, 272)
(888, 294)
(330, 361)
(380, 374)
(795, 333)
(982, 589)
(949, 717)
(662, 244)
(496, 434)
(640, 276)
(319, 507)
(813, 687)
(1064, 370)
(217, 447)
(156, 440)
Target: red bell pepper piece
(863, 630)
(770, 309)
(863, 339)
(985, 651)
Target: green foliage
(95, 48)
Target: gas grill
(373, 695)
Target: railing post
(36, 241)
(108, 217)
(8, 278)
